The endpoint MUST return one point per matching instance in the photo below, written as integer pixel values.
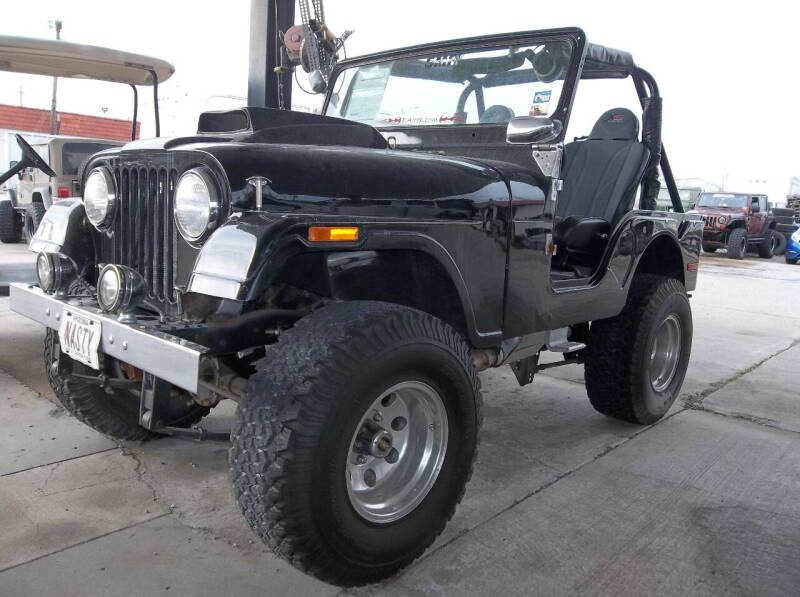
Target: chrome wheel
(396, 452)
(665, 351)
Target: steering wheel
(496, 114)
(34, 159)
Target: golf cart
(23, 208)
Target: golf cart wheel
(33, 217)
(356, 439)
(766, 248)
(636, 361)
(780, 243)
(737, 243)
(10, 230)
(709, 249)
(111, 411)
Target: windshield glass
(484, 86)
(722, 200)
(73, 154)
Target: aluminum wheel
(396, 452)
(665, 352)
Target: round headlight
(196, 204)
(99, 197)
(45, 272)
(722, 219)
(109, 286)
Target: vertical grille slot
(143, 231)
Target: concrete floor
(563, 500)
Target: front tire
(114, 412)
(780, 243)
(33, 217)
(737, 243)
(343, 380)
(636, 361)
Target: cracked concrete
(562, 499)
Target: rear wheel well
(662, 257)
(37, 197)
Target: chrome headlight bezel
(199, 233)
(60, 269)
(109, 202)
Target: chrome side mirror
(525, 130)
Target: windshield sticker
(541, 103)
(420, 120)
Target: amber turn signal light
(323, 234)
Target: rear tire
(33, 217)
(636, 361)
(10, 229)
(780, 243)
(737, 243)
(766, 248)
(292, 454)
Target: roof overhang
(58, 58)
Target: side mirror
(524, 130)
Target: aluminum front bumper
(170, 358)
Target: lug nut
(377, 417)
(361, 459)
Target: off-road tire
(709, 249)
(293, 430)
(10, 229)
(618, 352)
(766, 248)
(112, 412)
(782, 212)
(737, 243)
(34, 213)
(786, 229)
(780, 243)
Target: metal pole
(57, 27)
(265, 86)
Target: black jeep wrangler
(344, 277)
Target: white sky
(729, 72)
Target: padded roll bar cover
(617, 124)
(651, 137)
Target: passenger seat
(600, 174)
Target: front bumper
(142, 345)
(713, 236)
(792, 248)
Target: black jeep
(345, 277)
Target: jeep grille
(710, 221)
(143, 234)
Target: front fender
(65, 229)
(44, 193)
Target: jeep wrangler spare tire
(356, 439)
(636, 361)
(10, 228)
(737, 243)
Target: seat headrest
(618, 124)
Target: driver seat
(600, 174)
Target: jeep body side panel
(535, 304)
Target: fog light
(120, 290)
(55, 273)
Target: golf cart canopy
(56, 58)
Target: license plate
(80, 338)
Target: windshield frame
(572, 35)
